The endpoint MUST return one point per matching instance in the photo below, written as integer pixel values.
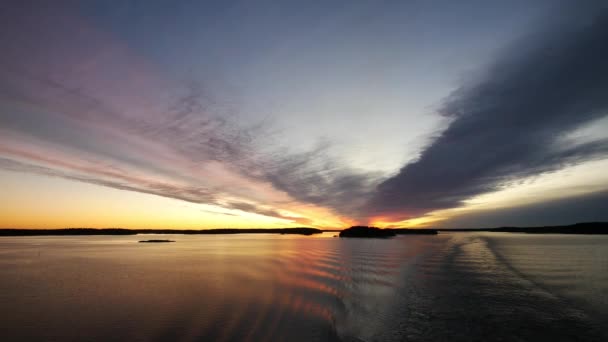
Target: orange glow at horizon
(416, 222)
(51, 202)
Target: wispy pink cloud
(81, 105)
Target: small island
(155, 241)
(366, 232)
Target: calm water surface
(454, 286)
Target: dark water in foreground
(456, 287)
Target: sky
(203, 114)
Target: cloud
(314, 177)
(90, 109)
(116, 181)
(510, 122)
(252, 208)
(585, 208)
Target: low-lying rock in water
(366, 232)
(155, 241)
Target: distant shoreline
(122, 231)
(578, 228)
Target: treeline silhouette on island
(374, 232)
(360, 231)
(123, 231)
(577, 228)
(355, 231)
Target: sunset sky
(202, 114)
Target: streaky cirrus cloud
(79, 103)
(90, 109)
(314, 177)
(511, 122)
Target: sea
(454, 286)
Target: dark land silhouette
(577, 228)
(374, 232)
(67, 231)
(355, 231)
(119, 231)
(414, 231)
(366, 232)
(155, 241)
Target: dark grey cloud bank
(507, 125)
(585, 208)
(510, 123)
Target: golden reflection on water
(223, 288)
(279, 288)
